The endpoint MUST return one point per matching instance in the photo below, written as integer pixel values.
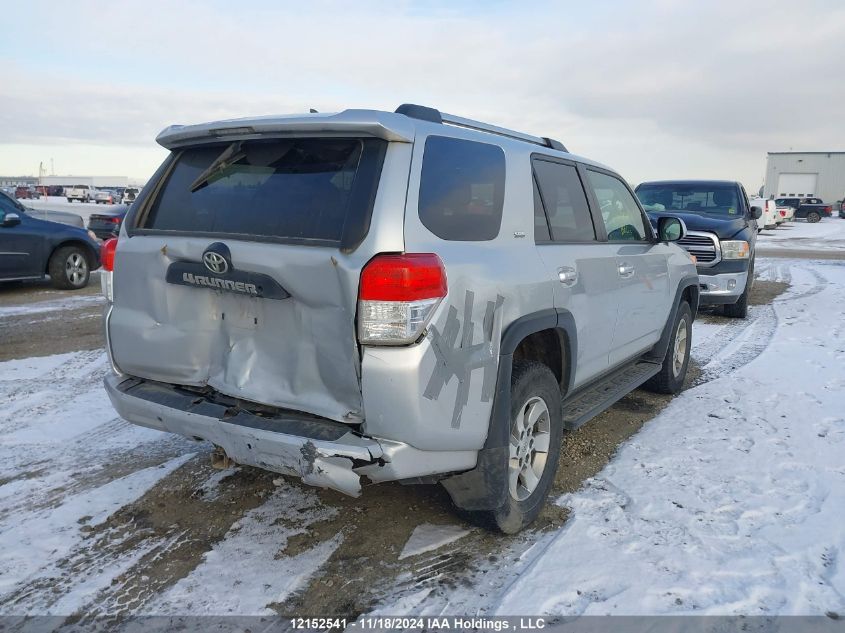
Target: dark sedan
(107, 224)
(63, 217)
(32, 249)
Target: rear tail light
(107, 251)
(828, 209)
(398, 296)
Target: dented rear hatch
(239, 271)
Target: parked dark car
(31, 248)
(107, 224)
(810, 209)
(721, 233)
(62, 217)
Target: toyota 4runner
(406, 296)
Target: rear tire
(673, 371)
(69, 268)
(536, 430)
(813, 217)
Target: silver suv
(402, 295)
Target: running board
(583, 406)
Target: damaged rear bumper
(322, 452)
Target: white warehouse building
(805, 174)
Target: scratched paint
(458, 359)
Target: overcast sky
(656, 89)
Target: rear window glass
(300, 189)
(462, 189)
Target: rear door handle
(567, 276)
(626, 270)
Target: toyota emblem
(215, 262)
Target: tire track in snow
(751, 336)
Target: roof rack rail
(424, 113)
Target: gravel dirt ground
(37, 320)
(166, 533)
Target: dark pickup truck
(721, 233)
(810, 209)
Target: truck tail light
(107, 251)
(397, 297)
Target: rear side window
(565, 202)
(462, 189)
(541, 224)
(293, 189)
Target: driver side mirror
(756, 213)
(671, 229)
(11, 219)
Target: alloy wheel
(529, 448)
(76, 269)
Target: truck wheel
(70, 200)
(673, 371)
(536, 429)
(813, 217)
(69, 268)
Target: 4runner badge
(217, 259)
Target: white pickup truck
(80, 193)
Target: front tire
(673, 371)
(536, 430)
(69, 269)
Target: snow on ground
(68, 465)
(824, 235)
(52, 305)
(428, 537)
(731, 501)
(232, 580)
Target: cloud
(710, 86)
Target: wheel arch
(689, 291)
(91, 255)
(486, 486)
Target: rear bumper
(723, 288)
(323, 453)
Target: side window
(565, 202)
(541, 225)
(619, 211)
(6, 206)
(462, 189)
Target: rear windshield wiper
(230, 156)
